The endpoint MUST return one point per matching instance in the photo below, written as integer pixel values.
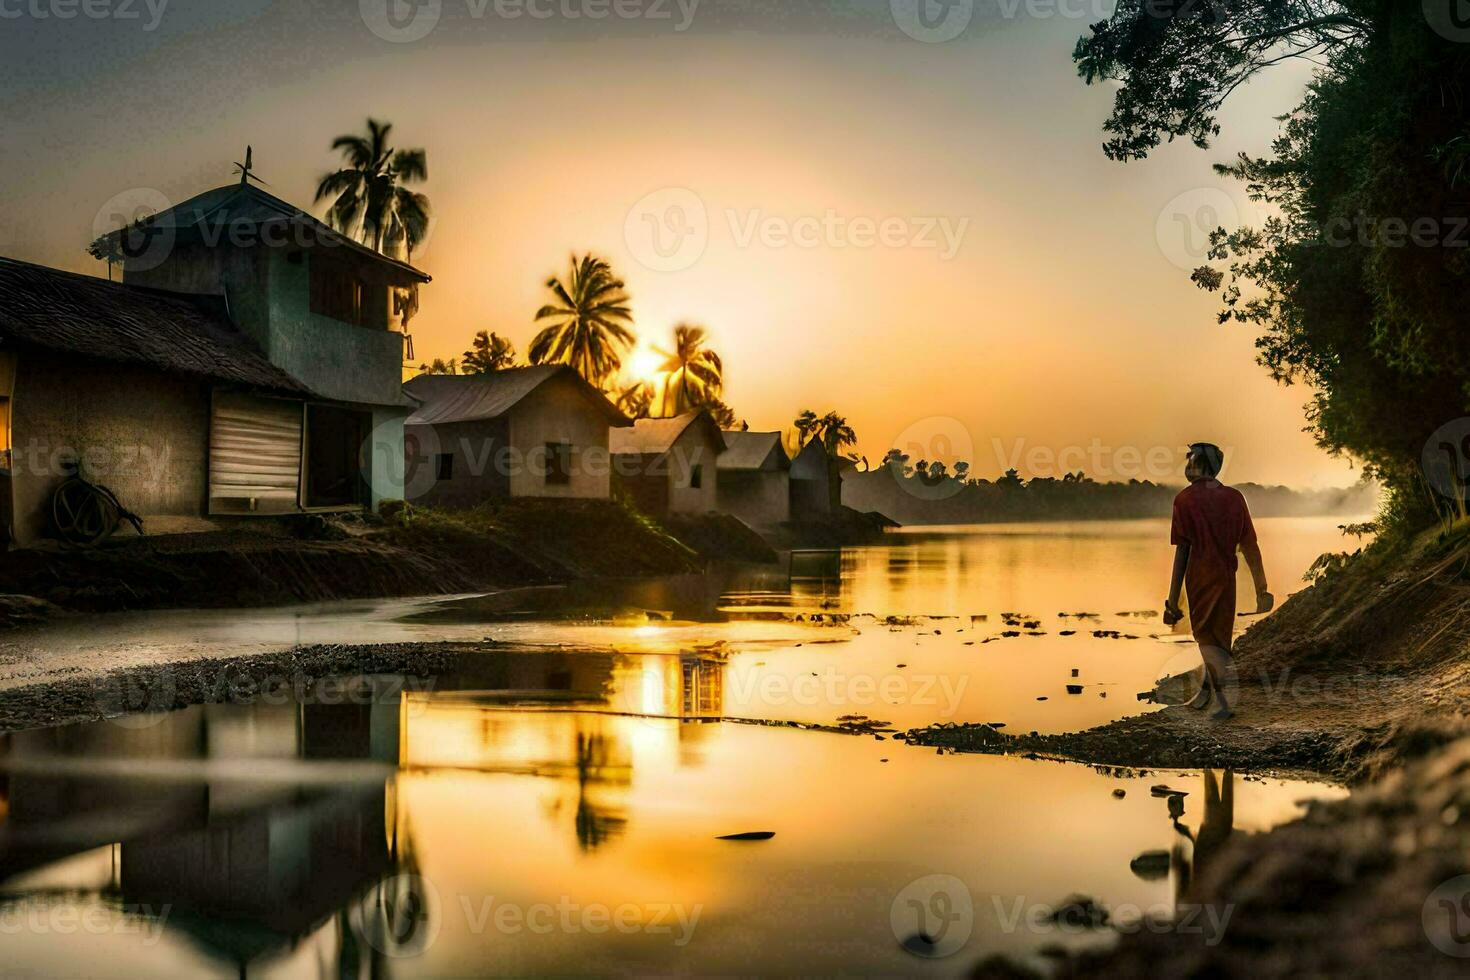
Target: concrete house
(755, 478)
(815, 485)
(249, 363)
(670, 466)
(524, 432)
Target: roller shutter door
(254, 455)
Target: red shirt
(1214, 521)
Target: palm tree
(636, 400)
(806, 424)
(835, 433)
(590, 322)
(369, 203)
(692, 373)
(440, 366)
(490, 352)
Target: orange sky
(1057, 334)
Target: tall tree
(692, 374)
(805, 425)
(589, 322)
(1356, 283)
(489, 352)
(369, 201)
(835, 433)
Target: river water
(559, 811)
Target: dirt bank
(1363, 676)
(94, 695)
(1367, 669)
(412, 552)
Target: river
(559, 811)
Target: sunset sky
(1064, 316)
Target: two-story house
(249, 363)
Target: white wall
(558, 412)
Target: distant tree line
(915, 495)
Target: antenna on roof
(243, 169)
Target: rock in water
(750, 835)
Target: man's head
(1204, 462)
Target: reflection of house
(755, 482)
(815, 487)
(525, 432)
(247, 364)
(669, 466)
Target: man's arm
(1172, 612)
(1251, 551)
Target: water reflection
(384, 833)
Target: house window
(444, 466)
(558, 463)
(335, 292)
(696, 476)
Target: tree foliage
(1354, 283)
(590, 322)
(488, 352)
(369, 201)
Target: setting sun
(644, 364)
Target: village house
(249, 363)
(523, 432)
(755, 483)
(670, 466)
(816, 487)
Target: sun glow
(644, 364)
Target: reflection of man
(1215, 828)
(1212, 522)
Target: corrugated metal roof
(446, 398)
(77, 314)
(750, 450)
(653, 437)
(249, 205)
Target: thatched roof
(91, 317)
(446, 398)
